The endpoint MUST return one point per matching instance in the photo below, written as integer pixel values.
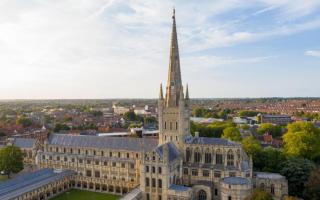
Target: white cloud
(96, 48)
(312, 53)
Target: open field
(85, 195)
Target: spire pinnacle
(173, 13)
(187, 92)
(161, 92)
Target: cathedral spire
(174, 84)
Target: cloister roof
(30, 181)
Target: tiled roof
(28, 182)
(179, 188)
(236, 181)
(24, 143)
(119, 143)
(267, 175)
(173, 151)
(213, 141)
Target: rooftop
(213, 141)
(236, 181)
(119, 143)
(30, 181)
(179, 188)
(266, 175)
(24, 143)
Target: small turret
(187, 92)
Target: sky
(88, 49)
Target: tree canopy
(247, 113)
(312, 190)
(214, 129)
(302, 140)
(232, 133)
(11, 160)
(251, 145)
(272, 129)
(25, 122)
(259, 194)
(297, 172)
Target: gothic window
(153, 182)
(110, 154)
(147, 168)
(229, 198)
(71, 150)
(218, 158)
(272, 189)
(128, 155)
(194, 172)
(64, 150)
(119, 154)
(216, 192)
(197, 156)
(202, 195)
(159, 170)
(159, 183)
(78, 151)
(217, 174)
(230, 158)
(97, 174)
(176, 125)
(170, 125)
(165, 125)
(185, 171)
(94, 152)
(153, 169)
(188, 155)
(262, 186)
(147, 182)
(205, 173)
(207, 157)
(102, 153)
(97, 162)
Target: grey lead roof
(236, 181)
(24, 143)
(179, 188)
(173, 151)
(119, 143)
(213, 141)
(28, 182)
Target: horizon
(97, 50)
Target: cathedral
(176, 166)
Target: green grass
(3, 178)
(85, 195)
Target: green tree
(297, 172)
(312, 190)
(247, 113)
(258, 194)
(274, 130)
(232, 133)
(251, 145)
(11, 160)
(59, 127)
(269, 160)
(25, 122)
(303, 140)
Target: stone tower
(174, 108)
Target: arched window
(272, 189)
(262, 186)
(219, 159)
(170, 125)
(230, 158)
(202, 195)
(188, 155)
(207, 157)
(197, 156)
(176, 125)
(165, 125)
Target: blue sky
(120, 48)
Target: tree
(297, 172)
(58, 127)
(25, 122)
(232, 133)
(274, 130)
(290, 198)
(269, 160)
(214, 129)
(303, 140)
(312, 190)
(247, 113)
(251, 145)
(11, 160)
(259, 194)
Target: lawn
(3, 178)
(85, 195)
